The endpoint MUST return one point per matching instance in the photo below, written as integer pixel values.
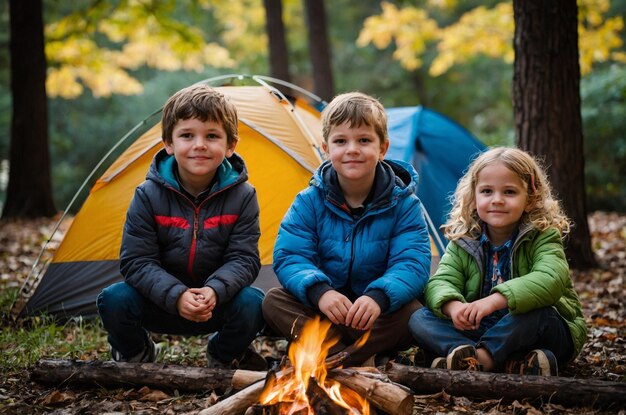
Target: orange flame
(307, 354)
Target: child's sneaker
(147, 355)
(539, 362)
(463, 358)
(214, 363)
(250, 360)
(439, 363)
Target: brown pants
(286, 315)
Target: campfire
(305, 389)
(311, 382)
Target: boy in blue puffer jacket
(353, 246)
(190, 243)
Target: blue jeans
(511, 336)
(127, 316)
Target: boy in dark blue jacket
(353, 247)
(190, 244)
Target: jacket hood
(394, 178)
(231, 171)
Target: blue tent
(439, 149)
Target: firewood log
(556, 389)
(154, 375)
(390, 397)
(238, 403)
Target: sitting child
(502, 297)
(353, 247)
(190, 244)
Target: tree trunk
(554, 389)
(420, 88)
(29, 193)
(319, 49)
(279, 55)
(546, 106)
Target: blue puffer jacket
(170, 243)
(384, 253)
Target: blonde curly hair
(545, 212)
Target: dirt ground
(603, 357)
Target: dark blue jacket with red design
(171, 243)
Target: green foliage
(603, 95)
(42, 337)
(5, 91)
(476, 94)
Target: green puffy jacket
(539, 278)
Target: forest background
(112, 63)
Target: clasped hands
(467, 316)
(340, 310)
(197, 304)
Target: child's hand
(206, 295)
(335, 306)
(363, 313)
(196, 304)
(456, 309)
(474, 312)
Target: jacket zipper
(196, 224)
(194, 241)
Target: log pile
(391, 391)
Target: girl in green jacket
(502, 298)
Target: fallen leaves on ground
(601, 292)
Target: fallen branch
(570, 391)
(154, 375)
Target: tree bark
(279, 54)
(29, 192)
(555, 389)
(546, 106)
(319, 48)
(154, 375)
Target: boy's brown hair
(358, 109)
(204, 103)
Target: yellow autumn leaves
(481, 31)
(146, 38)
(135, 33)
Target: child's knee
(249, 298)
(418, 322)
(113, 296)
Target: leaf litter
(603, 357)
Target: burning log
(321, 402)
(379, 390)
(570, 391)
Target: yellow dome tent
(280, 141)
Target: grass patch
(25, 341)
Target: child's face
(501, 200)
(199, 148)
(354, 152)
